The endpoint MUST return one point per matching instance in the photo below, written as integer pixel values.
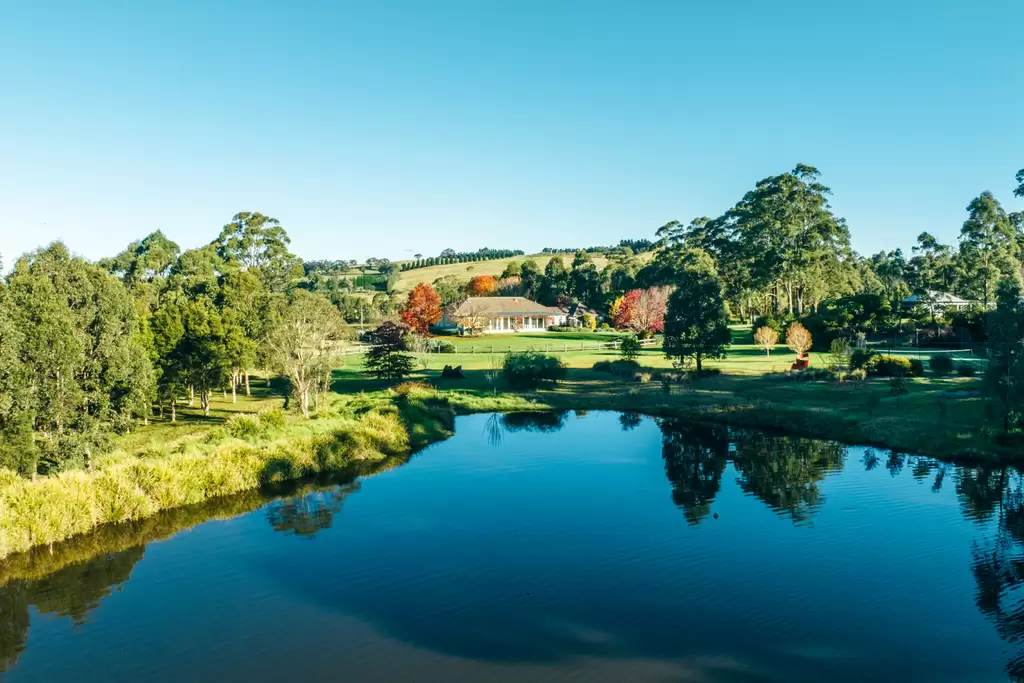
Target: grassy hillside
(411, 278)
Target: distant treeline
(637, 246)
(449, 256)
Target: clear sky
(389, 128)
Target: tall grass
(252, 451)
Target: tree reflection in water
(309, 514)
(498, 424)
(695, 457)
(72, 592)
(781, 471)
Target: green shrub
(889, 366)
(965, 370)
(916, 367)
(941, 364)
(245, 426)
(620, 368)
(443, 346)
(630, 347)
(527, 369)
(859, 374)
(272, 419)
(860, 358)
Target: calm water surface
(597, 547)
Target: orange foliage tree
(422, 308)
(482, 285)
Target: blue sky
(385, 129)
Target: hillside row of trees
(450, 256)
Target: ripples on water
(552, 547)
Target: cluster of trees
(782, 250)
(87, 349)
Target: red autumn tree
(482, 285)
(643, 310)
(422, 308)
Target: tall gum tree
(989, 250)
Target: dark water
(599, 547)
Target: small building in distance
(501, 314)
(938, 303)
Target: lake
(552, 547)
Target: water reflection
(785, 474)
(71, 579)
(498, 424)
(310, 514)
(71, 592)
(695, 457)
(781, 471)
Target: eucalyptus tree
(1004, 377)
(304, 341)
(84, 362)
(144, 260)
(243, 302)
(252, 241)
(201, 354)
(17, 449)
(781, 236)
(989, 250)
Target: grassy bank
(243, 454)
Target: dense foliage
(531, 369)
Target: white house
(497, 314)
(937, 302)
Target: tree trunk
(247, 392)
(204, 401)
(700, 367)
(191, 394)
(234, 393)
(174, 412)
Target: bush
(442, 346)
(630, 347)
(273, 418)
(965, 370)
(245, 426)
(779, 324)
(527, 369)
(889, 366)
(563, 328)
(808, 375)
(860, 358)
(406, 388)
(916, 367)
(941, 364)
(620, 368)
(859, 374)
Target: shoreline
(389, 427)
